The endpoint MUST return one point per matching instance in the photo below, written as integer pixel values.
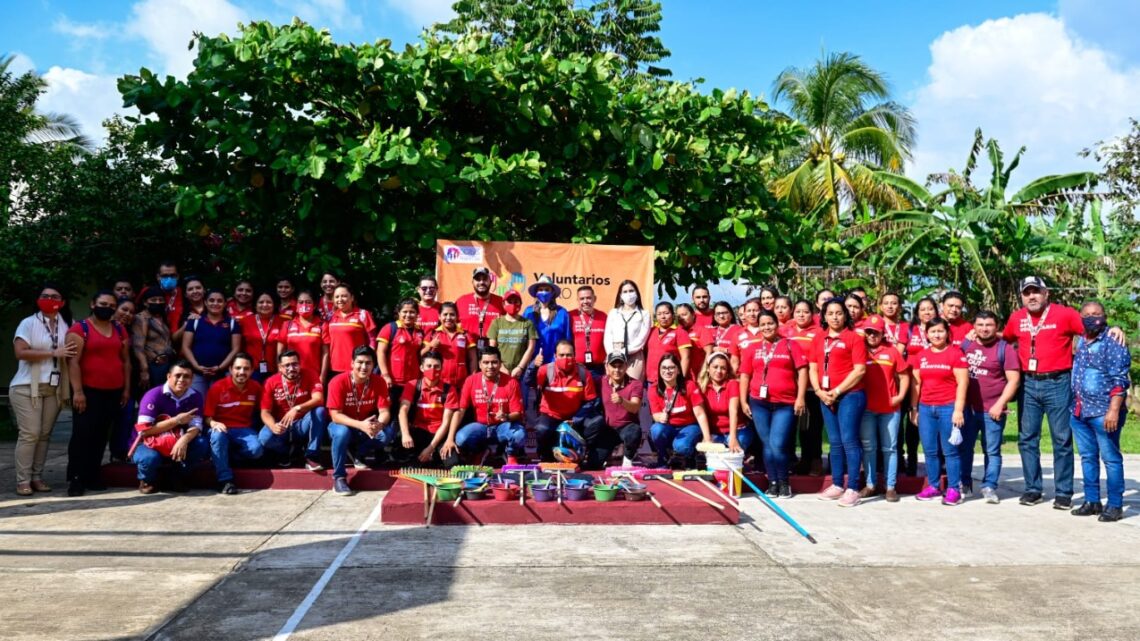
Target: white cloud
(89, 98)
(20, 64)
(325, 13)
(423, 13)
(168, 25)
(1025, 80)
(83, 31)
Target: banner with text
(518, 265)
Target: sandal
(24, 489)
(40, 486)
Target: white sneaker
(990, 495)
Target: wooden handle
(654, 499)
(431, 510)
(692, 494)
(735, 505)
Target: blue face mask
(1094, 324)
(544, 296)
(168, 283)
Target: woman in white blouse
(627, 329)
(40, 387)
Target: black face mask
(103, 313)
(156, 309)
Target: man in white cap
(478, 309)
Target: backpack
(416, 398)
(550, 371)
(967, 344)
(194, 327)
(119, 331)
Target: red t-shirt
(959, 327)
(682, 412)
(288, 309)
(564, 396)
(1053, 349)
(471, 309)
(403, 351)
(101, 364)
(746, 339)
(428, 413)
(344, 333)
(704, 319)
(836, 357)
(258, 340)
(723, 339)
(803, 336)
(936, 370)
(453, 348)
(233, 407)
(785, 358)
(357, 401)
(917, 342)
(235, 313)
(664, 341)
(717, 404)
(896, 333)
(307, 342)
(697, 353)
(489, 398)
(592, 328)
(279, 395)
(428, 319)
(883, 363)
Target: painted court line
(303, 609)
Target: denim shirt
(558, 329)
(1100, 371)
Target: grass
(1129, 436)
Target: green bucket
(604, 493)
(448, 491)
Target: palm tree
(851, 129)
(48, 128)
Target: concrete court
(118, 565)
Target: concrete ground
(118, 565)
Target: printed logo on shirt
(925, 364)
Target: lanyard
(625, 330)
(54, 336)
(490, 396)
(720, 332)
(893, 337)
(1034, 330)
(483, 314)
(360, 395)
(827, 347)
(670, 400)
(327, 308)
(768, 355)
(290, 397)
(264, 334)
(588, 322)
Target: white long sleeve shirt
(639, 324)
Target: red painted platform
(404, 505)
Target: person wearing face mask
(292, 411)
(666, 338)
(233, 419)
(994, 378)
(480, 308)
(152, 345)
(259, 332)
(589, 326)
(702, 307)
(241, 304)
(398, 347)
(303, 334)
(40, 387)
(100, 372)
(425, 415)
(627, 329)
(428, 318)
(286, 293)
(567, 393)
(494, 403)
(514, 336)
(358, 403)
(1100, 383)
(326, 306)
(551, 322)
(167, 280)
(453, 345)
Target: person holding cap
(514, 336)
(1044, 334)
(621, 402)
(480, 308)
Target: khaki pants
(34, 421)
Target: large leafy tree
(315, 155)
(850, 129)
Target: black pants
(908, 442)
(546, 432)
(89, 431)
(422, 438)
(602, 440)
(810, 431)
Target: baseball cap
(481, 271)
(614, 357)
(513, 293)
(1031, 281)
(875, 323)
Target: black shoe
(1086, 509)
(785, 490)
(1030, 498)
(75, 488)
(228, 488)
(1062, 502)
(773, 489)
(1111, 514)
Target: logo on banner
(463, 255)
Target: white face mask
(629, 298)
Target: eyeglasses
(52, 297)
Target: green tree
(37, 128)
(850, 129)
(318, 155)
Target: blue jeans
(1097, 445)
(310, 428)
(1035, 400)
(970, 432)
(775, 423)
(744, 435)
(242, 439)
(474, 438)
(934, 428)
(881, 432)
(149, 460)
(344, 436)
(842, 423)
(991, 432)
(679, 439)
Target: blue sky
(1054, 76)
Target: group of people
(274, 374)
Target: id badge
(826, 384)
(589, 358)
(481, 343)
(1032, 365)
(53, 380)
(764, 392)
(263, 367)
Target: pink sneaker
(850, 499)
(953, 497)
(928, 493)
(830, 494)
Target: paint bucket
(543, 493)
(447, 493)
(581, 493)
(719, 463)
(474, 494)
(505, 492)
(604, 493)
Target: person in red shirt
(427, 318)
(666, 338)
(348, 329)
(857, 310)
(568, 394)
(167, 279)
(286, 294)
(802, 330)
(887, 384)
(775, 376)
(498, 411)
(767, 297)
(678, 410)
(837, 366)
(327, 304)
(995, 377)
(821, 298)
(360, 413)
(398, 346)
(938, 407)
(722, 404)
(621, 400)
(588, 326)
(478, 309)
(896, 331)
(100, 373)
(687, 323)
(749, 334)
(302, 334)
(702, 305)
(232, 417)
(241, 304)
(292, 410)
(953, 303)
(783, 309)
(453, 345)
(258, 332)
(425, 414)
(724, 335)
(925, 310)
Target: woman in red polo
(938, 405)
(398, 347)
(666, 338)
(722, 403)
(723, 335)
(802, 331)
(348, 329)
(678, 410)
(687, 322)
(453, 344)
(259, 334)
(303, 335)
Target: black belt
(1047, 376)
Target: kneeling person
(292, 409)
(621, 400)
(169, 427)
(568, 394)
(359, 408)
(425, 414)
(231, 414)
(497, 401)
